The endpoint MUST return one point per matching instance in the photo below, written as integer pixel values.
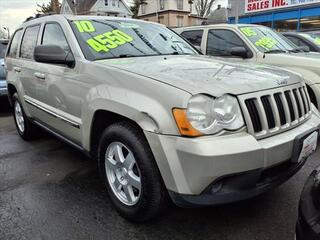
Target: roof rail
(39, 15)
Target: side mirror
(53, 54)
(239, 52)
(304, 48)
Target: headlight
(208, 115)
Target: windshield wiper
(275, 51)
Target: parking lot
(50, 191)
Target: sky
(14, 12)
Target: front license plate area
(305, 146)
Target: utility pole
(237, 11)
(157, 14)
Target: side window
(29, 42)
(13, 49)
(194, 37)
(220, 42)
(53, 35)
(295, 40)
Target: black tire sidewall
(26, 135)
(151, 181)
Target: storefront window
(267, 24)
(289, 25)
(310, 23)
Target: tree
(53, 6)
(203, 7)
(135, 5)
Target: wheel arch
(103, 118)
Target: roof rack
(40, 15)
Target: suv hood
(200, 74)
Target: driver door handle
(40, 75)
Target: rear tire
(26, 129)
(121, 143)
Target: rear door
(28, 66)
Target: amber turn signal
(183, 123)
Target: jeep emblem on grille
(282, 82)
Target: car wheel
(24, 126)
(130, 173)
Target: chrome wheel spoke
(112, 165)
(119, 154)
(117, 184)
(129, 161)
(123, 173)
(129, 193)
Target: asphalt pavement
(50, 191)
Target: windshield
(313, 38)
(267, 40)
(104, 39)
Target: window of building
(161, 4)
(29, 42)
(220, 42)
(179, 21)
(106, 2)
(13, 49)
(180, 4)
(286, 25)
(310, 23)
(53, 35)
(194, 37)
(266, 24)
(143, 8)
(114, 3)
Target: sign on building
(265, 5)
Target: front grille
(272, 111)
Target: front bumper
(308, 225)
(192, 167)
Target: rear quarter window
(13, 49)
(193, 36)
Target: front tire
(24, 126)
(130, 173)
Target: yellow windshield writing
(109, 40)
(84, 26)
(248, 31)
(266, 43)
(317, 41)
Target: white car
(256, 44)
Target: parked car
(309, 209)
(3, 83)
(160, 119)
(304, 40)
(256, 44)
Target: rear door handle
(40, 75)
(17, 69)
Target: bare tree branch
(203, 7)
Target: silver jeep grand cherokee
(162, 121)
